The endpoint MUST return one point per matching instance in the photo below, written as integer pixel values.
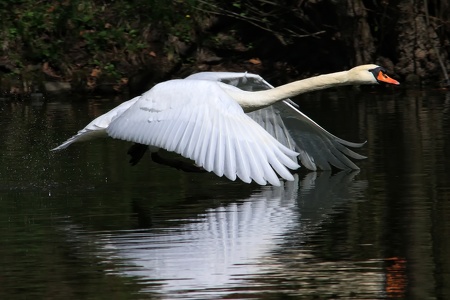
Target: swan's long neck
(250, 101)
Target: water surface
(83, 224)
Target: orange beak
(384, 78)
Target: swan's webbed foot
(136, 152)
(177, 164)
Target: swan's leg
(177, 164)
(136, 152)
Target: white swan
(233, 124)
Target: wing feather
(219, 163)
(260, 161)
(209, 128)
(198, 138)
(186, 134)
(204, 142)
(176, 131)
(243, 170)
(255, 168)
(211, 153)
(230, 170)
(342, 161)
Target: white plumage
(202, 118)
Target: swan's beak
(384, 78)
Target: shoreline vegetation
(127, 47)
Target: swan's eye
(376, 72)
(383, 77)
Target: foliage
(112, 39)
(103, 33)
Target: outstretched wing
(317, 147)
(198, 120)
(97, 128)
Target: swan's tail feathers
(81, 136)
(97, 127)
(64, 145)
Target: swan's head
(370, 74)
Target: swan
(232, 124)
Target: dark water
(83, 224)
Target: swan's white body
(233, 124)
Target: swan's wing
(317, 147)
(269, 118)
(245, 81)
(198, 120)
(96, 129)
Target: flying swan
(232, 124)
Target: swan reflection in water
(223, 247)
